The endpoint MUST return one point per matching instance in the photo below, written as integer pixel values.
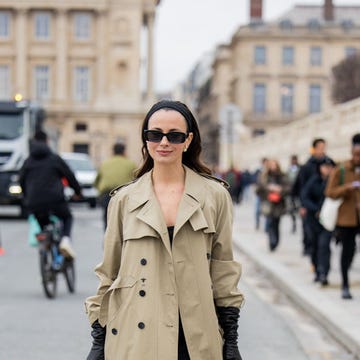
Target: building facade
(276, 72)
(89, 63)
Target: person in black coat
(312, 198)
(304, 175)
(41, 179)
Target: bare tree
(346, 79)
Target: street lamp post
(230, 116)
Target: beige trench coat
(145, 283)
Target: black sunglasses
(174, 137)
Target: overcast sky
(186, 29)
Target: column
(21, 46)
(150, 56)
(101, 43)
(61, 74)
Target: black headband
(174, 105)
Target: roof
(300, 15)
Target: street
(36, 328)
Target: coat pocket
(117, 296)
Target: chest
(169, 200)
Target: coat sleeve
(108, 269)
(66, 172)
(224, 270)
(334, 189)
(306, 196)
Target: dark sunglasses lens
(153, 136)
(176, 137)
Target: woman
(345, 183)
(312, 198)
(168, 278)
(272, 189)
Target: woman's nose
(164, 140)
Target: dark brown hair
(191, 157)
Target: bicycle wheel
(47, 273)
(69, 273)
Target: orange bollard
(2, 251)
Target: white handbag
(329, 213)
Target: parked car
(85, 173)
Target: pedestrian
(233, 177)
(168, 278)
(348, 221)
(318, 152)
(41, 179)
(256, 180)
(292, 199)
(312, 197)
(115, 171)
(272, 189)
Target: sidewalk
(292, 273)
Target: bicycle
(52, 262)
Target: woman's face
(273, 166)
(164, 152)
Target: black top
(171, 233)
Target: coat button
(114, 331)
(143, 262)
(208, 256)
(141, 325)
(142, 293)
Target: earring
(185, 149)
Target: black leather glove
(228, 320)
(97, 350)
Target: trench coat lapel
(190, 207)
(143, 198)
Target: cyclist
(41, 180)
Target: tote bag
(34, 228)
(329, 213)
(330, 207)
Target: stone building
(277, 71)
(86, 62)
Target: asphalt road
(33, 327)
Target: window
(5, 82)
(259, 100)
(286, 25)
(82, 26)
(81, 84)
(315, 56)
(287, 98)
(81, 148)
(79, 126)
(288, 55)
(42, 25)
(42, 82)
(350, 51)
(4, 24)
(313, 25)
(347, 24)
(315, 98)
(260, 55)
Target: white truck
(18, 122)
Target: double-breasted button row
(141, 326)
